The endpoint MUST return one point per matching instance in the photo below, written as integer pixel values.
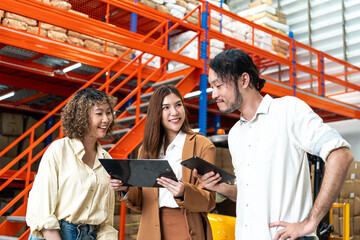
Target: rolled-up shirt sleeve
(43, 195)
(311, 133)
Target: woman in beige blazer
(179, 210)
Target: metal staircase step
(146, 97)
(143, 108)
(107, 146)
(16, 219)
(2, 237)
(171, 81)
(119, 133)
(127, 120)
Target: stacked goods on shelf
(132, 222)
(61, 34)
(262, 13)
(191, 50)
(12, 125)
(350, 193)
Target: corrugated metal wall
(331, 26)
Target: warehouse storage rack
(113, 22)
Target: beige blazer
(195, 205)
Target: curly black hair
(75, 114)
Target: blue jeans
(69, 231)
(306, 238)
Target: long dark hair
(230, 64)
(154, 131)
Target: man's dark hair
(230, 64)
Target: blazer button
(192, 232)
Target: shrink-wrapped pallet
(45, 1)
(195, 2)
(60, 36)
(76, 41)
(28, 21)
(111, 51)
(93, 45)
(71, 33)
(35, 30)
(148, 3)
(176, 7)
(163, 8)
(14, 24)
(169, 1)
(192, 20)
(182, 3)
(49, 27)
(260, 2)
(61, 4)
(158, 1)
(175, 13)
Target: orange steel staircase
(319, 82)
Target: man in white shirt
(268, 146)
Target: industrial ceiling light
(196, 93)
(72, 67)
(8, 95)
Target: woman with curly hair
(179, 210)
(71, 197)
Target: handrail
(346, 219)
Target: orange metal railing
(286, 81)
(109, 86)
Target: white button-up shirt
(271, 167)
(174, 156)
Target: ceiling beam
(40, 86)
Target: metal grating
(21, 94)
(49, 99)
(18, 53)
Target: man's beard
(234, 105)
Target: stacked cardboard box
(261, 12)
(131, 225)
(61, 34)
(350, 193)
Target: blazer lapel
(188, 152)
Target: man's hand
(209, 180)
(175, 188)
(293, 231)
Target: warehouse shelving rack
(154, 28)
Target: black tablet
(138, 172)
(203, 167)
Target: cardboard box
(357, 225)
(4, 161)
(336, 224)
(11, 124)
(348, 189)
(356, 206)
(6, 141)
(25, 143)
(351, 223)
(353, 171)
(31, 121)
(357, 187)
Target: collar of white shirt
(79, 151)
(177, 142)
(262, 109)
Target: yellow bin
(222, 226)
